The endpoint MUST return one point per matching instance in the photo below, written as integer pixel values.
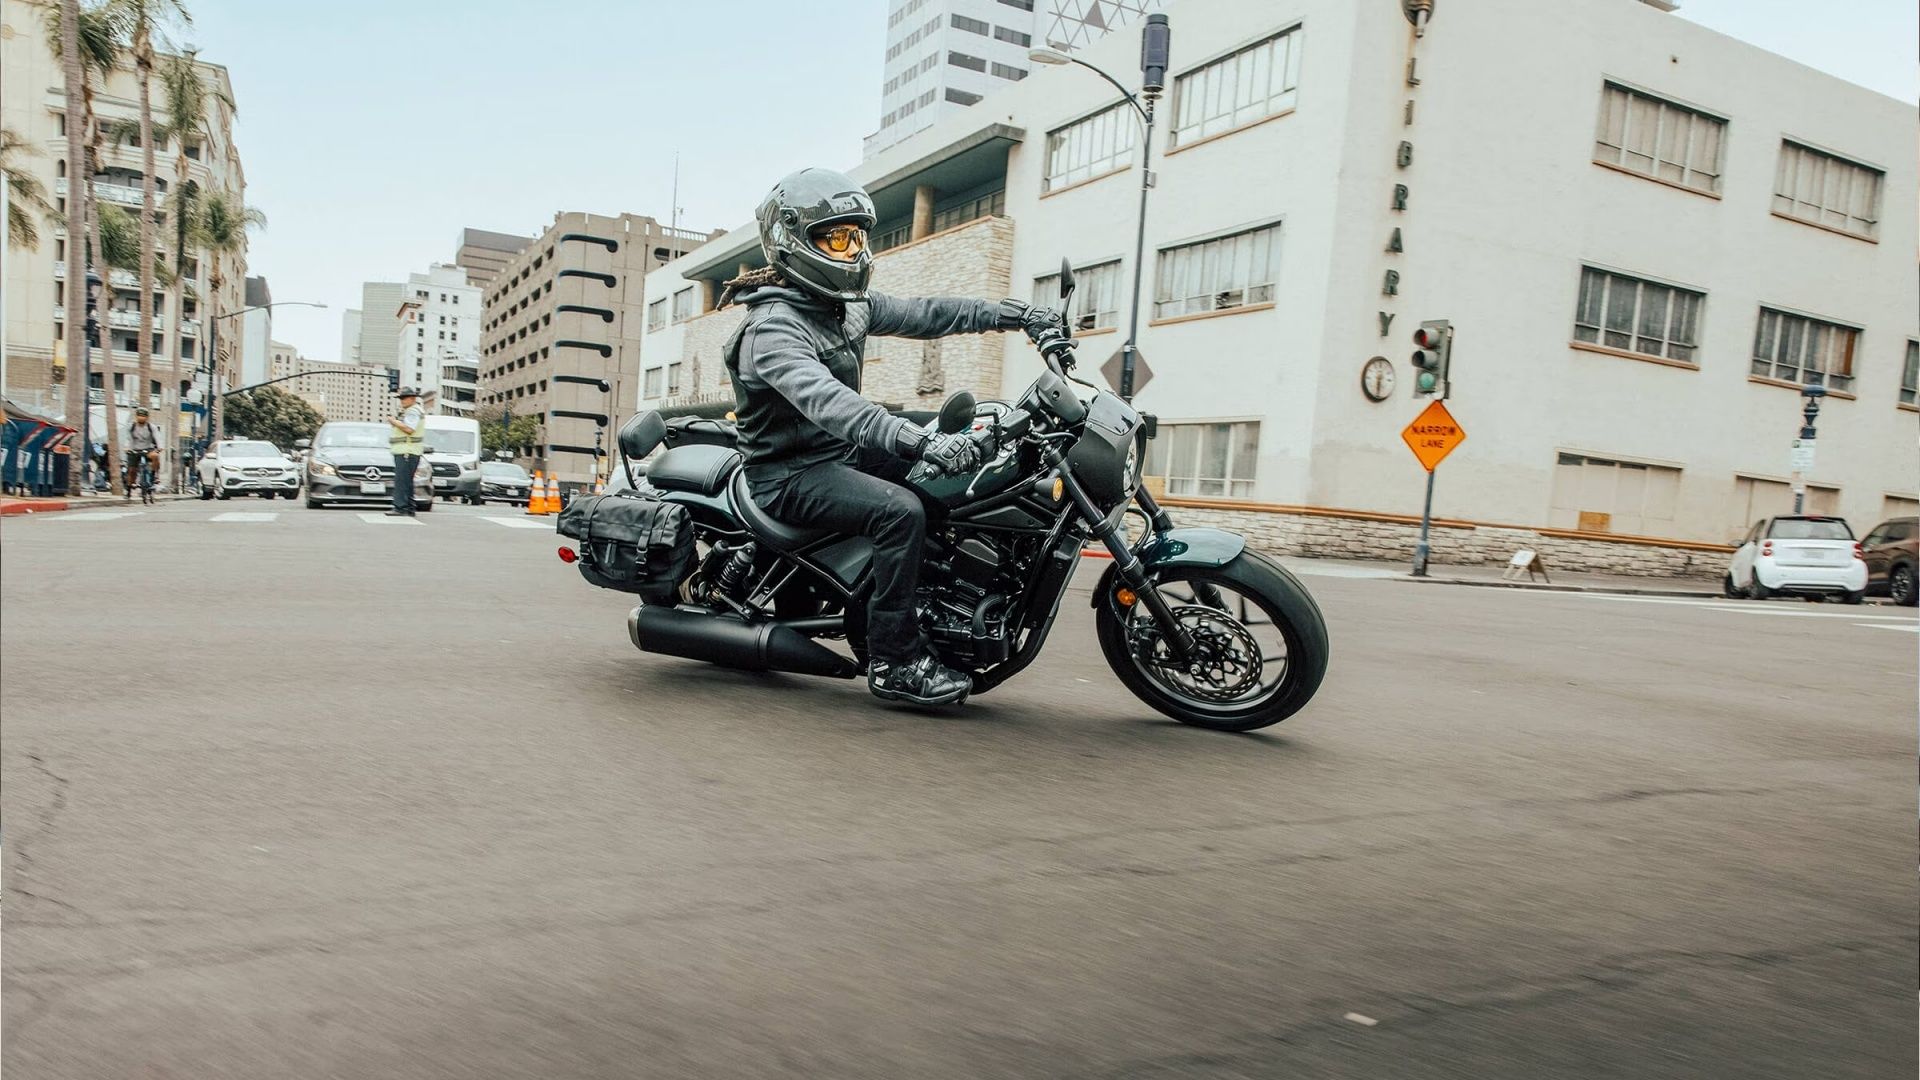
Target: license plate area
(371, 488)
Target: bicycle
(145, 482)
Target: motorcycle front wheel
(1260, 645)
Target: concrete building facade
(945, 55)
(256, 332)
(38, 328)
(376, 325)
(1646, 235)
(483, 254)
(561, 317)
(439, 341)
(337, 391)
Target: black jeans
(404, 466)
(865, 497)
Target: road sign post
(1432, 436)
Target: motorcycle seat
(765, 527)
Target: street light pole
(1803, 446)
(1156, 42)
(212, 359)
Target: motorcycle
(1190, 620)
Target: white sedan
(1800, 555)
(247, 467)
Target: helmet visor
(841, 241)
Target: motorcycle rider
(817, 453)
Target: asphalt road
(323, 795)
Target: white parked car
(247, 467)
(1800, 555)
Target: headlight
(321, 468)
(469, 466)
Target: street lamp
(1156, 42)
(213, 352)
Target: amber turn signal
(1125, 596)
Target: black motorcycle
(1191, 621)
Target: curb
(33, 506)
(1687, 594)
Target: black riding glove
(1036, 321)
(951, 453)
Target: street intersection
(300, 792)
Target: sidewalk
(17, 504)
(1569, 581)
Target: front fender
(1179, 547)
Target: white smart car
(247, 467)
(1798, 555)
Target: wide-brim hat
(406, 391)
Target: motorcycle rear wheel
(1226, 690)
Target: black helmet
(791, 212)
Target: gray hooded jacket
(795, 363)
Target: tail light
(1858, 551)
(567, 555)
(1766, 549)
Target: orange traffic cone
(536, 497)
(552, 505)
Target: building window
(1087, 148)
(1823, 189)
(657, 314)
(1644, 317)
(683, 304)
(1206, 459)
(1655, 137)
(673, 379)
(971, 63)
(1755, 499)
(1804, 350)
(961, 97)
(1005, 71)
(1600, 495)
(1258, 81)
(1216, 275)
(1910, 375)
(653, 383)
(1096, 295)
(971, 26)
(1023, 5)
(1002, 33)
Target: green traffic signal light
(1426, 382)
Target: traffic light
(393, 381)
(1433, 351)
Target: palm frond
(27, 196)
(104, 35)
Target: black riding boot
(925, 681)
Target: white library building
(1648, 237)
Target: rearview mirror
(302, 444)
(641, 433)
(956, 413)
(1066, 280)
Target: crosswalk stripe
(1781, 609)
(244, 515)
(1909, 628)
(383, 519)
(94, 515)
(520, 523)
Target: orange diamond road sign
(1433, 435)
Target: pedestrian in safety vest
(408, 441)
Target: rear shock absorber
(733, 573)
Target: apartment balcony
(130, 320)
(113, 193)
(121, 398)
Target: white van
(453, 456)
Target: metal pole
(1139, 257)
(1421, 549)
(86, 378)
(213, 380)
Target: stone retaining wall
(1337, 537)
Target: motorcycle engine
(965, 602)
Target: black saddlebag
(631, 543)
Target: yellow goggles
(841, 239)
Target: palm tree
(187, 94)
(222, 222)
(146, 22)
(26, 195)
(75, 79)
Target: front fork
(1126, 567)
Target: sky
(373, 131)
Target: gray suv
(350, 463)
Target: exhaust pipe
(732, 642)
